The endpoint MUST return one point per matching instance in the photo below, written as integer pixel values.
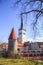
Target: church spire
(22, 24)
(22, 31)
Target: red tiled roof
(20, 44)
(13, 34)
(3, 45)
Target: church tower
(22, 32)
(12, 46)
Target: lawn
(9, 61)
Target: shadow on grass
(1, 64)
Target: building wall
(22, 36)
(12, 47)
(34, 46)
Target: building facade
(20, 45)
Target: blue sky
(9, 17)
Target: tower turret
(12, 47)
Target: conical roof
(13, 34)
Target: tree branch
(32, 11)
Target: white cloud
(38, 39)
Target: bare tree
(29, 6)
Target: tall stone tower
(12, 47)
(22, 32)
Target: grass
(10, 61)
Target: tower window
(19, 33)
(24, 33)
(18, 50)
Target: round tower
(12, 47)
(22, 32)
